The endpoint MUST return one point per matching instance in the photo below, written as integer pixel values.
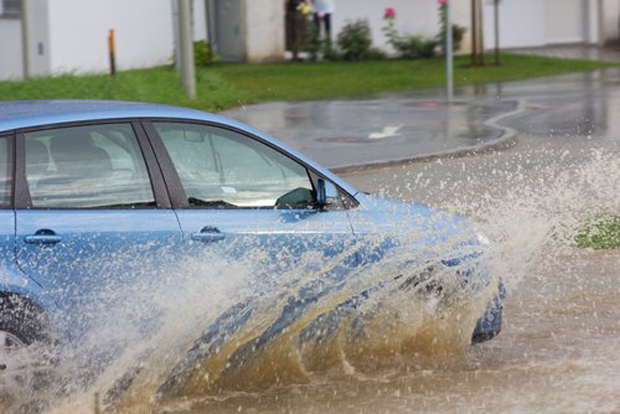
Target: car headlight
(483, 240)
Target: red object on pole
(112, 50)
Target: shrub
(414, 47)
(331, 52)
(374, 53)
(355, 40)
(409, 46)
(458, 32)
(602, 232)
(203, 54)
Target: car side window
(95, 166)
(5, 173)
(219, 168)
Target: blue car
(89, 189)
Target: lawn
(224, 85)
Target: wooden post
(480, 34)
(449, 53)
(112, 50)
(474, 34)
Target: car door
(7, 215)
(245, 198)
(91, 209)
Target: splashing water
(202, 334)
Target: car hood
(419, 226)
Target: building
(71, 35)
(523, 23)
(531, 23)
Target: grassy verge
(600, 233)
(325, 79)
(227, 85)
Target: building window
(10, 8)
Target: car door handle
(209, 235)
(44, 236)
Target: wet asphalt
(415, 125)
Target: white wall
(39, 38)
(530, 23)
(79, 31)
(11, 54)
(522, 23)
(264, 30)
(10, 48)
(418, 17)
(610, 26)
(199, 20)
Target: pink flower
(390, 13)
(442, 3)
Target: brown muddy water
(559, 351)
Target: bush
(458, 32)
(203, 54)
(355, 40)
(376, 54)
(410, 46)
(602, 232)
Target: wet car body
(130, 192)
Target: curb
(507, 140)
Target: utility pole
(187, 48)
(25, 13)
(449, 53)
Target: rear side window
(87, 167)
(5, 173)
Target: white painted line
(388, 132)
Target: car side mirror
(326, 193)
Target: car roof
(32, 113)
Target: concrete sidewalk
(575, 51)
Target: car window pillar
(176, 192)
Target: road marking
(388, 132)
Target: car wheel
(24, 350)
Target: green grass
(160, 84)
(226, 85)
(602, 232)
(286, 81)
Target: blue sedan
(89, 189)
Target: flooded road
(558, 351)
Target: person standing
(323, 10)
(295, 27)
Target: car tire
(24, 365)
(22, 320)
